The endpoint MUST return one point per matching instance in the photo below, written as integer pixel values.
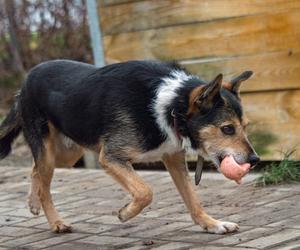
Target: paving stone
(268, 217)
(106, 219)
(199, 236)
(9, 220)
(219, 248)
(5, 209)
(58, 239)
(91, 228)
(9, 197)
(20, 212)
(242, 236)
(20, 203)
(76, 246)
(5, 238)
(164, 211)
(107, 240)
(272, 240)
(136, 226)
(293, 222)
(261, 216)
(291, 245)
(21, 241)
(17, 231)
(162, 229)
(174, 246)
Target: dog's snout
(254, 160)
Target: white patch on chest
(165, 95)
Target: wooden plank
(236, 36)
(141, 15)
(274, 117)
(116, 2)
(277, 70)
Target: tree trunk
(14, 41)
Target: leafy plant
(285, 171)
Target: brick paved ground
(269, 217)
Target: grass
(285, 171)
(261, 141)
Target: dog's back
(89, 104)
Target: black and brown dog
(136, 111)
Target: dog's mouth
(232, 169)
(220, 159)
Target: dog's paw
(34, 205)
(123, 214)
(222, 227)
(61, 227)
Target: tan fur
(130, 181)
(34, 202)
(227, 85)
(180, 175)
(245, 121)
(55, 153)
(45, 168)
(214, 138)
(193, 108)
(65, 155)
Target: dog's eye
(228, 130)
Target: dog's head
(217, 122)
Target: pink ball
(232, 170)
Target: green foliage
(276, 173)
(261, 140)
(12, 81)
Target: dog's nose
(254, 160)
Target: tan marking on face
(245, 121)
(195, 93)
(215, 141)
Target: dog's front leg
(180, 175)
(125, 175)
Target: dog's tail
(10, 129)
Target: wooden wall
(228, 36)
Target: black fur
(10, 129)
(87, 104)
(82, 101)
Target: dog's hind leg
(34, 202)
(67, 153)
(56, 153)
(125, 175)
(180, 175)
(45, 169)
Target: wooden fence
(213, 36)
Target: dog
(130, 112)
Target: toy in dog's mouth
(233, 170)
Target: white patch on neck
(165, 95)
(187, 146)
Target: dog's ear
(204, 95)
(235, 83)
